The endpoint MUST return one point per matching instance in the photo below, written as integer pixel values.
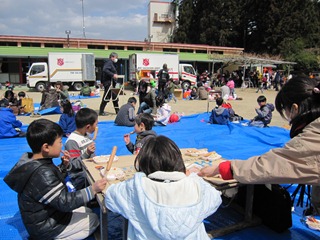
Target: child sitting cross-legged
(219, 114)
(264, 113)
(47, 209)
(162, 201)
(126, 115)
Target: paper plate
(114, 173)
(212, 157)
(194, 168)
(103, 159)
(312, 223)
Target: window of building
(201, 51)
(116, 47)
(30, 44)
(217, 52)
(8, 44)
(135, 48)
(186, 50)
(53, 45)
(96, 47)
(170, 50)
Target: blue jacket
(67, 123)
(220, 116)
(8, 123)
(160, 210)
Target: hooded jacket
(8, 123)
(264, 113)
(44, 201)
(142, 137)
(163, 114)
(219, 115)
(164, 210)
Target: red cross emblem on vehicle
(60, 61)
(145, 62)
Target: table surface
(126, 163)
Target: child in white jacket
(162, 201)
(163, 111)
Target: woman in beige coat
(299, 160)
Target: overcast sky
(103, 19)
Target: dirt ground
(244, 108)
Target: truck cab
(187, 75)
(37, 76)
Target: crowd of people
(42, 185)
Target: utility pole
(83, 27)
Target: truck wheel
(185, 85)
(77, 86)
(40, 86)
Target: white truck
(73, 69)
(152, 63)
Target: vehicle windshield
(36, 69)
(189, 69)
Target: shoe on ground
(103, 114)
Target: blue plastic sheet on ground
(77, 97)
(232, 141)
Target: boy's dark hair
(303, 92)
(85, 116)
(160, 100)
(21, 94)
(132, 100)
(146, 119)
(159, 154)
(261, 99)
(219, 101)
(67, 107)
(199, 84)
(58, 83)
(42, 131)
(9, 95)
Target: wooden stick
(95, 134)
(113, 154)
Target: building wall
(161, 21)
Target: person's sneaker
(103, 114)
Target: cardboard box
(178, 93)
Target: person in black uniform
(109, 77)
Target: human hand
(209, 171)
(126, 138)
(115, 76)
(99, 185)
(91, 148)
(65, 158)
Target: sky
(103, 19)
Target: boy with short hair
(80, 145)
(143, 128)
(264, 112)
(126, 114)
(47, 209)
(219, 114)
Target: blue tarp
(232, 142)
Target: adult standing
(163, 78)
(108, 78)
